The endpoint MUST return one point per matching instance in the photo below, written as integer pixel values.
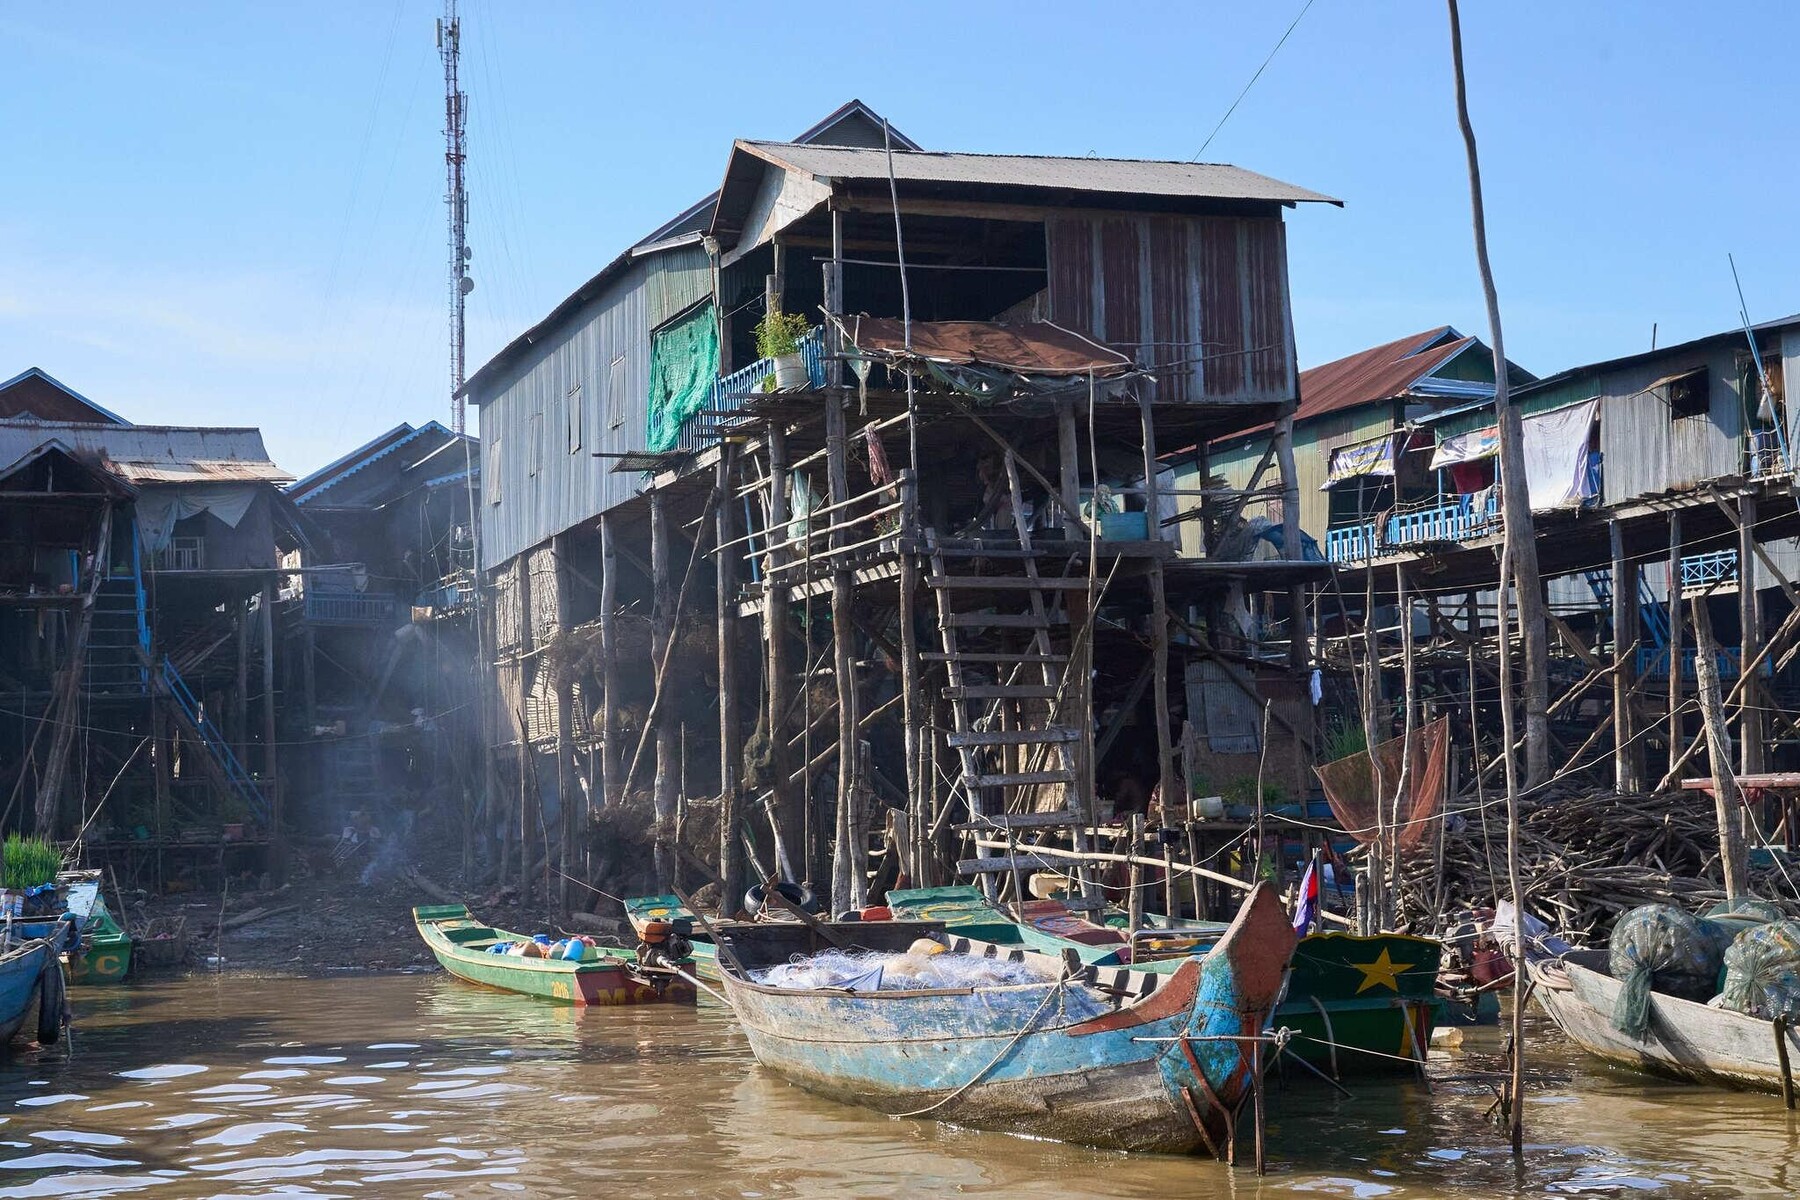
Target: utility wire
(1252, 83)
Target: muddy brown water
(417, 1085)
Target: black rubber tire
(799, 894)
(53, 998)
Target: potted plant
(778, 337)
(27, 875)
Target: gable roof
(1674, 351)
(1378, 373)
(423, 442)
(1017, 177)
(685, 228)
(35, 395)
(155, 454)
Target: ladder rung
(1068, 583)
(1003, 691)
(987, 552)
(1020, 779)
(996, 620)
(995, 656)
(1012, 862)
(1048, 820)
(1014, 737)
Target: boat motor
(665, 941)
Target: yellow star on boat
(1384, 970)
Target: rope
(1062, 984)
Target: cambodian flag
(1306, 904)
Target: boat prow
(1682, 1040)
(1098, 1055)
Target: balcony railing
(1704, 572)
(729, 391)
(1654, 661)
(1351, 543)
(1449, 521)
(182, 554)
(349, 608)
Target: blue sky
(233, 214)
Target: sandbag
(1762, 971)
(1659, 947)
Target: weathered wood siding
(1201, 300)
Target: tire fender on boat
(53, 1001)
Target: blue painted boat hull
(20, 972)
(1061, 1059)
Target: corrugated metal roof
(695, 218)
(1378, 373)
(153, 453)
(1679, 348)
(1127, 176)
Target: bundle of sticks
(1584, 860)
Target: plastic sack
(1762, 971)
(1659, 947)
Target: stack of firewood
(1584, 859)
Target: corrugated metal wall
(1313, 444)
(547, 483)
(1202, 300)
(1646, 452)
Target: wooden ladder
(1000, 793)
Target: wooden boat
(1141, 1062)
(1357, 1005)
(104, 951)
(461, 945)
(1684, 1039)
(25, 970)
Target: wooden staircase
(1015, 731)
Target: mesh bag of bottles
(1762, 971)
(1659, 947)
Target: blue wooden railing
(1654, 661)
(349, 608)
(730, 391)
(241, 782)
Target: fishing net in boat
(1362, 807)
(1659, 947)
(881, 971)
(1762, 971)
(1748, 909)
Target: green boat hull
(460, 944)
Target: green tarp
(684, 362)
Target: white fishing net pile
(879, 971)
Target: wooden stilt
(524, 643)
(778, 682)
(1728, 803)
(1675, 738)
(271, 758)
(731, 750)
(1171, 788)
(568, 824)
(609, 661)
(911, 717)
(1628, 754)
(662, 629)
(1752, 721)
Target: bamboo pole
(1519, 563)
(609, 666)
(725, 583)
(662, 638)
(1628, 755)
(1728, 803)
(1675, 674)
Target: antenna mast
(456, 114)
